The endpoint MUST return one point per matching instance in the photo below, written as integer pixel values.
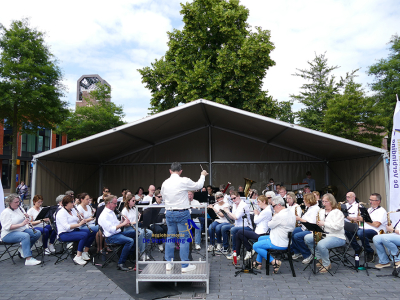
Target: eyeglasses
(159, 196)
(273, 206)
(269, 197)
(220, 197)
(233, 198)
(104, 192)
(372, 200)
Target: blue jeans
(323, 246)
(126, 238)
(84, 237)
(261, 247)
(45, 235)
(369, 234)
(142, 238)
(225, 234)
(197, 233)
(390, 241)
(27, 238)
(177, 222)
(298, 244)
(215, 229)
(234, 231)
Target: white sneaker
(219, 247)
(79, 260)
(47, 251)
(296, 255)
(197, 247)
(168, 267)
(38, 243)
(85, 256)
(20, 252)
(308, 259)
(248, 255)
(161, 247)
(70, 245)
(210, 248)
(189, 268)
(32, 262)
(51, 248)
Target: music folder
(43, 213)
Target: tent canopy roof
(173, 123)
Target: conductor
(175, 193)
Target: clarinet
(81, 219)
(29, 224)
(232, 221)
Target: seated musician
(14, 229)
(68, 230)
(45, 229)
(299, 247)
(261, 220)
(197, 232)
(215, 227)
(159, 228)
(281, 224)
(209, 190)
(239, 209)
(291, 203)
(130, 212)
(379, 221)
(390, 240)
(112, 230)
(86, 211)
(149, 197)
(352, 210)
(331, 220)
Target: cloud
(115, 39)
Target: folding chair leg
(291, 265)
(267, 264)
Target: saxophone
(295, 213)
(318, 235)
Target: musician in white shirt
(239, 209)
(147, 199)
(299, 247)
(112, 231)
(215, 227)
(281, 224)
(68, 230)
(131, 213)
(86, 211)
(261, 220)
(175, 192)
(352, 208)
(331, 220)
(379, 221)
(197, 232)
(15, 230)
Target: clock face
(87, 84)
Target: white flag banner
(394, 160)
(1, 197)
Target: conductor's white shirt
(175, 190)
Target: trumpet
(25, 215)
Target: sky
(115, 38)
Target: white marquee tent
(230, 143)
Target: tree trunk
(14, 151)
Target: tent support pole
(385, 158)
(101, 180)
(209, 154)
(327, 181)
(33, 187)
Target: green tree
(387, 82)
(315, 94)
(216, 57)
(99, 115)
(30, 84)
(354, 116)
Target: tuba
(247, 185)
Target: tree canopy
(387, 81)
(30, 84)
(216, 57)
(99, 115)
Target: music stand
(148, 216)
(314, 228)
(42, 215)
(366, 218)
(344, 210)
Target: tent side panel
(78, 177)
(350, 171)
